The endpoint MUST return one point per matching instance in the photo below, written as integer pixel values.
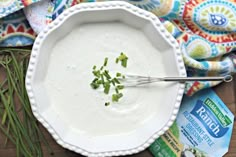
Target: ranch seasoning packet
(203, 128)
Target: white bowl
(59, 73)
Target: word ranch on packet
(203, 128)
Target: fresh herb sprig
(17, 121)
(106, 80)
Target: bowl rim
(103, 6)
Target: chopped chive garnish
(106, 74)
(104, 79)
(116, 97)
(107, 103)
(118, 74)
(95, 80)
(120, 95)
(116, 80)
(117, 90)
(123, 59)
(113, 82)
(97, 73)
(105, 62)
(107, 87)
(117, 60)
(94, 85)
(120, 87)
(99, 82)
(124, 63)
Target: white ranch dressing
(70, 73)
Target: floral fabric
(205, 30)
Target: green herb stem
(105, 62)
(24, 132)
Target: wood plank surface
(226, 91)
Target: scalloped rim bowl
(97, 12)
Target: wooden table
(226, 91)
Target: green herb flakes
(116, 97)
(107, 87)
(123, 59)
(105, 62)
(104, 78)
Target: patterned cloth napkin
(14, 28)
(205, 29)
(10, 6)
